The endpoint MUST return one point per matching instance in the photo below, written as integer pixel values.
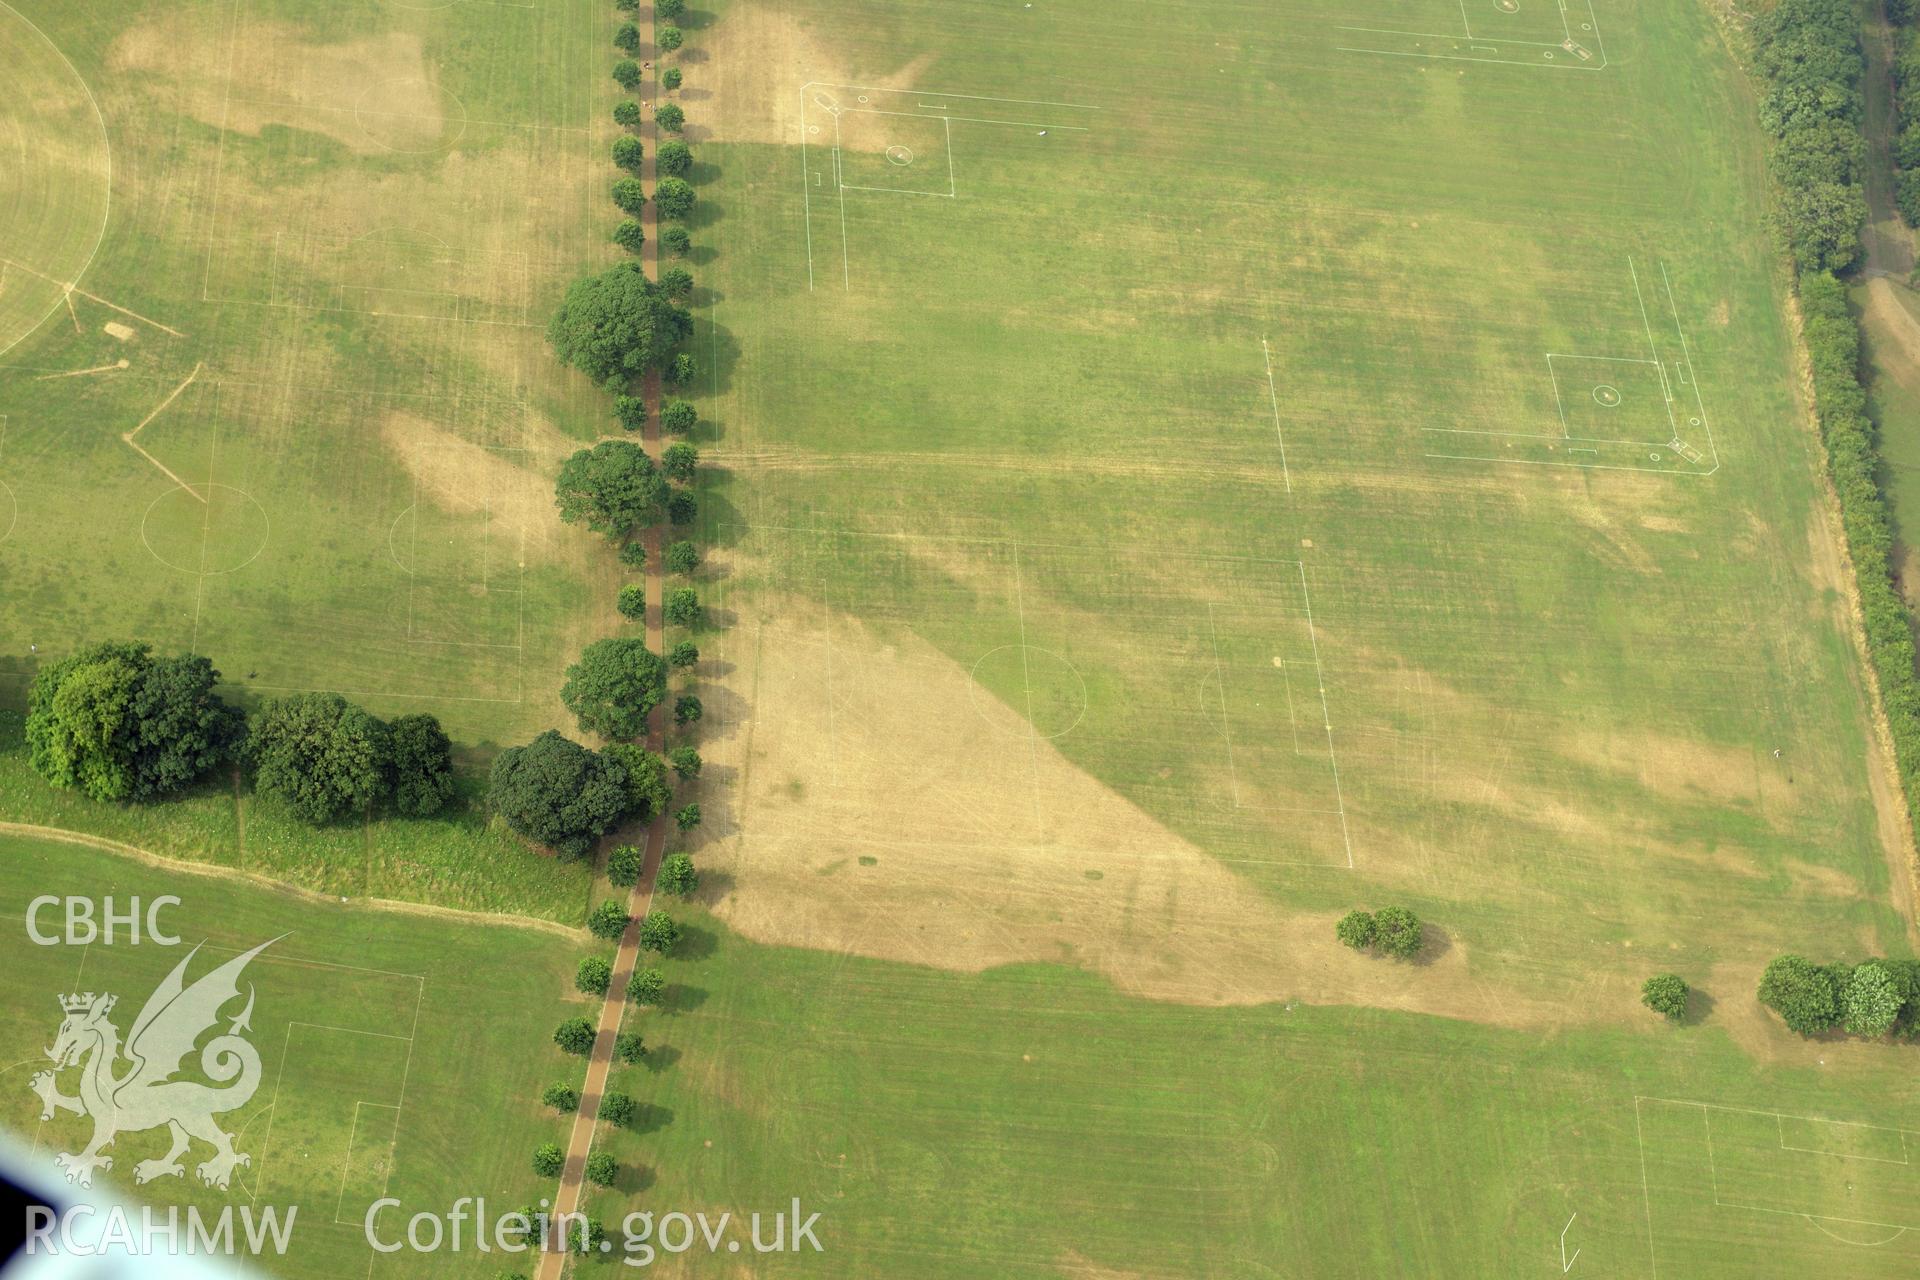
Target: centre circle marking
(412, 134)
(1054, 689)
(1606, 396)
(898, 154)
(223, 534)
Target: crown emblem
(81, 1003)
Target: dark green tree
(575, 1035)
(634, 555)
(682, 507)
(629, 194)
(179, 730)
(624, 864)
(628, 153)
(679, 461)
(561, 1097)
(672, 196)
(422, 780)
(677, 417)
(617, 1109)
(626, 113)
(633, 601)
(1397, 933)
(626, 37)
(683, 654)
(674, 159)
(658, 932)
(647, 987)
(685, 761)
(630, 412)
(629, 1047)
(602, 1169)
(670, 117)
(686, 709)
(677, 875)
(631, 236)
(1805, 995)
(608, 920)
(680, 369)
(677, 283)
(687, 817)
(668, 38)
(682, 607)
(612, 488)
(320, 756)
(626, 74)
(1666, 995)
(668, 10)
(555, 791)
(677, 241)
(682, 556)
(670, 78)
(617, 325)
(647, 788)
(593, 976)
(1356, 929)
(614, 685)
(549, 1159)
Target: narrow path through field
(600, 1063)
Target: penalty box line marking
(128, 437)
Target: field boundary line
(1273, 397)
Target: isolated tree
(685, 761)
(627, 37)
(668, 38)
(608, 920)
(575, 1035)
(682, 507)
(617, 325)
(673, 196)
(647, 987)
(677, 241)
(647, 788)
(631, 236)
(658, 932)
(1666, 995)
(1397, 932)
(670, 78)
(624, 865)
(679, 461)
(1804, 994)
(561, 1097)
(677, 875)
(668, 10)
(633, 601)
(614, 685)
(628, 153)
(602, 1169)
(1356, 929)
(683, 654)
(682, 608)
(626, 73)
(617, 1109)
(682, 556)
(674, 159)
(687, 817)
(422, 764)
(670, 117)
(612, 488)
(626, 113)
(557, 792)
(1870, 1001)
(629, 194)
(320, 755)
(677, 417)
(549, 1159)
(686, 709)
(677, 283)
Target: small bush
(561, 1097)
(593, 976)
(634, 555)
(575, 1035)
(680, 372)
(687, 817)
(682, 507)
(1666, 995)
(668, 10)
(630, 1046)
(685, 761)
(549, 1159)
(624, 864)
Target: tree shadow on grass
(696, 943)
(660, 1057)
(1434, 945)
(650, 1117)
(1700, 1007)
(682, 998)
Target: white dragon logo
(145, 1095)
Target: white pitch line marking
(1273, 397)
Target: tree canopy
(116, 723)
(557, 792)
(616, 325)
(674, 158)
(320, 755)
(673, 197)
(1804, 994)
(648, 790)
(615, 684)
(612, 488)
(422, 766)
(1666, 995)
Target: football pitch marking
(1578, 24)
(8, 499)
(1273, 398)
(819, 105)
(159, 409)
(1585, 393)
(1566, 1263)
(1780, 1119)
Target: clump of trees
(558, 793)
(1906, 103)
(1872, 999)
(1666, 995)
(1390, 931)
(323, 758)
(115, 723)
(1809, 53)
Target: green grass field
(1177, 474)
(397, 1058)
